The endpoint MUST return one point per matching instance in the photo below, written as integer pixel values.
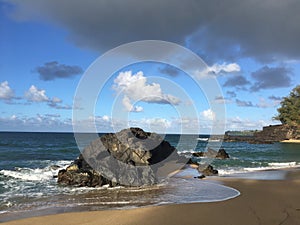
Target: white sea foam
(2, 212)
(214, 140)
(274, 166)
(29, 174)
(108, 203)
(283, 164)
(271, 166)
(186, 151)
(224, 172)
(37, 174)
(202, 139)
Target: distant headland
(287, 131)
(268, 135)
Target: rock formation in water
(131, 157)
(206, 171)
(210, 153)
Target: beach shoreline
(291, 141)
(261, 202)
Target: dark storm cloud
(169, 70)
(56, 105)
(271, 77)
(266, 30)
(102, 25)
(52, 115)
(244, 103)
(53, 70)
(275, 98)
(222, 100)
(236, 81)
(231, 94)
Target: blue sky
(251, 49)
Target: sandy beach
(266, 202)
(291, 141)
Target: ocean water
(30, 161)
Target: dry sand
(291, 141)
(260, 202)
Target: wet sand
(266, 202)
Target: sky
(250, 52)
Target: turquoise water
(244, 157)
(29, 162)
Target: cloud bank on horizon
(251, 47)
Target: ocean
(29, 163)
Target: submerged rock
(131, 157)
(211, 153)
(222, 154)
(208, 171)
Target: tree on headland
(289, 110)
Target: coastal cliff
(277, 133)
(268, 135)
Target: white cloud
(224, 68)
(101, 123)
(6, 92)
(263, 103)
(237, 123)
(107, 124)
(129, 107)
(218, 69)
(56, 100)
(36, 95)
(186, 125)
(158, 123)
(48, 122)
(135, 88)
(100, 119)
(13, 117)
(208, 114)
(38, 122)
(105, 118)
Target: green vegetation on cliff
(289, 110)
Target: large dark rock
(198, 154)
(140, 133)
(80, 174)
(211, 153)
(222, 154)
(131, 157)
(208, 171)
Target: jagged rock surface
(208, 171)
(130, 157)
